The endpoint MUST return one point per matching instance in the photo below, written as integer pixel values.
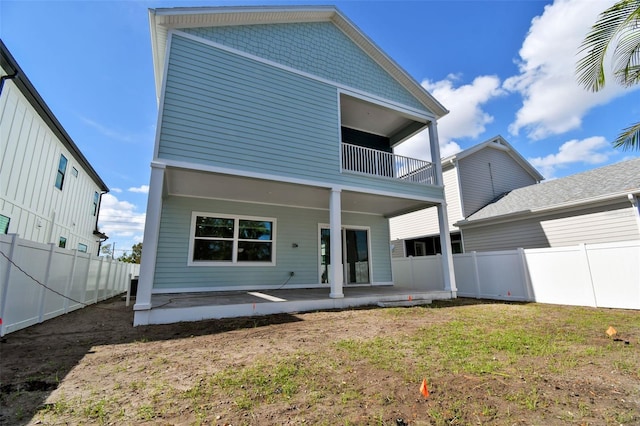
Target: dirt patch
(484, 362)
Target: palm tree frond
(627, 56)
(590, 68)
(629, 139)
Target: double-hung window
(218, 239)
(62, 169)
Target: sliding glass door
(355, 255)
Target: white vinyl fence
(598, 275)
(58, 281)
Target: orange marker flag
(423, 388)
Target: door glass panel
(325, 254)
(357, 254)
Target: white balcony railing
(385, 164)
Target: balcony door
(355, 255)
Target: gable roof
(164, 19)
(10, 65)
(499, 143)
(603, 184)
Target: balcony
(373, 162)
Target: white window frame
(236, 230)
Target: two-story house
(274, 164)
(49, 193)
(473, 178)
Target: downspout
(101, 236)
(6, 77)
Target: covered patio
(177, 307)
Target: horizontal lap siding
(487, 174)
(317, 48)
(224, 110)
(591, 226)
(293, 225)
(602, 225)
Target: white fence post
(67, 290)
(86, 282)
(98, 279)
(5, 283)
(476, 274)
(526, 282)
(583, 250)
(43, 290)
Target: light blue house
(274, 161)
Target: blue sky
(500, 67)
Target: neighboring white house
(472, 179)
(596, 206)
(274, 158)
(49, 192)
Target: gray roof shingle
(619, 178)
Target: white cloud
(108, 132)
(587, 151)
(116, 190)
(465, 119)
(553, 101)
(142, 189)
(119, 219)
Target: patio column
(335, 225)
(443, 219)
(151, 230)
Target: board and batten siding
(425, 222)
(293, 225)
(225, 110)
(317, 48)
(605, 224)
(488, 174)
(30, 154)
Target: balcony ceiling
(371, 118)
(190, 183)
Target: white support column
(443, 219)
(335, 224)
(151, 229)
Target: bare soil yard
(484, 362)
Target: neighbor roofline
(568, 206)
(8, 62)
(496, 142)
(162, 20)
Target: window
(4, 224)
(82, 248)
(62, 243)
(62, 169)
(221, 239)
(96, 199)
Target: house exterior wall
(317, 48)
(290, 124)
(425, 222)
(487, 174)
(39, 211)
(603, 224)
(293, 225)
